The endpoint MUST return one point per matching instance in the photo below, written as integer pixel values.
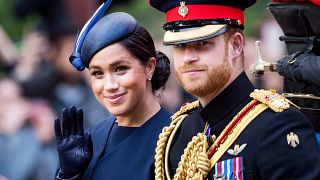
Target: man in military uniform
(234, 131)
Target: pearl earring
(149, 78)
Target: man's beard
(215, 79)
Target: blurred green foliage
(8, 21)
(12, 25)
(254, 17)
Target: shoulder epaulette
(275, 101)
(186, 108)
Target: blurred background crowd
(37, 81)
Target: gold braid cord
(194, 163)
(167, 131)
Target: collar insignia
(236, 149)
(183, 10)
(292, 139)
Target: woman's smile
(115, 98)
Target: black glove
(74, 147)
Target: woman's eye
(121, 69)
(97, 74)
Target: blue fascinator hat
(99, 33)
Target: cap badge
(292, 139)
(183, 10)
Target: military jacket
(273, 146)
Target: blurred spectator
(35, 48)
(8, 52)
(26, 136)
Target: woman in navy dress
(126, 72)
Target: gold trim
(166, 159)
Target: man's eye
(183, 45)
(203, 43)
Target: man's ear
(151, 66)
(236, 43)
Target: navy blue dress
(124, 152)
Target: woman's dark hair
(141, 45)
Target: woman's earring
(149, 78)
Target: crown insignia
(183, 10)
